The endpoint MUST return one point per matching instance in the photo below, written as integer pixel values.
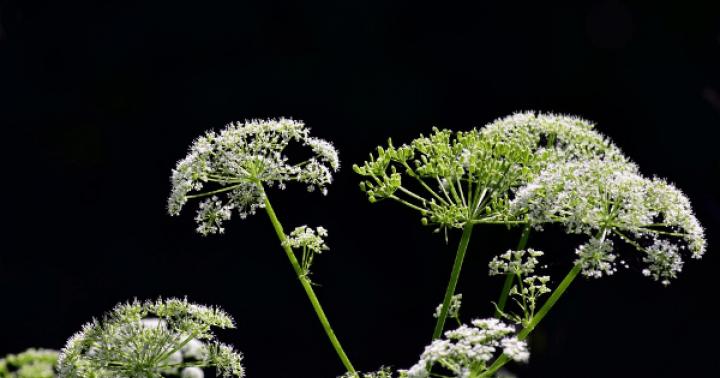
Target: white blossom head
(521, 262)
(304, 237)
(309, 242)
(466, 351)
(229, 168)
(611, 200)
(124, 343)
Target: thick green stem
(307, 286)
(454, 276)
(510, 276)
(557, 293)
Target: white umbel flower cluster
(151, 339)
(309, 242)
(596, 258)
(306, 237)
(239, 160)
(596, 196)
(664, 261)
(468, 349)
(453, 309)
(522, 262)
(528, 287)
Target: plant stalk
(547, 306)
(510, 277)
(307, 286)
(454, 276)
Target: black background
(99, 99)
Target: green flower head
(455, 178)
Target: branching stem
(547, 306)
(305, 282)
(454, 276)
(510, 276)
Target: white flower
(306, 237)
(453, 309)
(515, 349)
(596, 258)
(325, 151)
(211, 214)
(142, 335)
(238, 161)
(598, 196)
(466, 350)
(310, 243)
(521, 262)
(664, 261)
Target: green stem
(507, 223)
(547, 306)
(412, 194)
(450, 291)
(177, 348)
(307, 286)
(422, 182)
(442, 187)
(408, 204)
(509, 277)
(221, 190)
(460, 191)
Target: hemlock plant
(529, 170)
(524, 171)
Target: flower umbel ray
(650, 215)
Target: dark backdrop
(99, 99)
